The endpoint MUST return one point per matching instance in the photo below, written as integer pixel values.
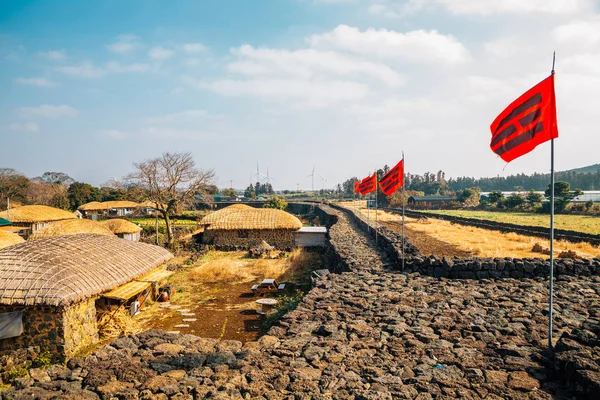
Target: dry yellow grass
(114, 322)
(221, 269)
(486, 243)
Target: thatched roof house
(9, 238)
(71, 227)
(32, 218)
(117, 208)
(240, 226)
(123, 228)
(50, 286)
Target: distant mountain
(585, 170)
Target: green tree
(496, 196)
(514, 200)
(470, 197)
(80, 193)
(276, 202)
(534, 198)
(228, 192)
(250, 192)
(60, 200)
(562, 195)
(13, 185)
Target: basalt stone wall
(537, 231)
(333, 261)
(388, 240)
(283, 239)
(485, 268)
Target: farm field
(580, 223)
(216, 289)
(443, 238)
(161, 222)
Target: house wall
(310, 239)
(134, 237)
(62, 331)
(279, 238)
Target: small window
(243, 234)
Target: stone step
(174, 332)
(174, 307)
(189, 319)
(184, 310)
(181, 326)
(188, 314)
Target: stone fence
(536, 231)
(470, 268)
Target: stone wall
(80, 327)
(283, 239)
(60, 331)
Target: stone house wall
(62, 331)
(235, 239)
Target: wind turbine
(324, 181)
(312, 175)
(268, 178)
(258, 174)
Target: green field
(580, 223)
(161, 222)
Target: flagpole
(551, 231)
(376, 198)
(403, 168)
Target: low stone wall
(537, 231)
(485, 268)
(283, 239)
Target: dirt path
(426, 244)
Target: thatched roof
(31, 214)
(107, 205)
(70, 227)
(67, 269)
(121, 226)
(220, 214)
(255, 218)
(9, 238)
(151, 204)
(92, 206)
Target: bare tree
(171, 180)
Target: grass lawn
(580, 223)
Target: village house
(116, 208)
(9, 238)
(71, 227)
(241, 226)
(123, 229)
(50, 288)
(29, 219)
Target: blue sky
(88, 88)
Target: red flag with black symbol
(526, 122)
(356, 186)
(368, 185)
(393, 180)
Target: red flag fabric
(356, 185)
(527, 122)
(368, 185)
(393, 180)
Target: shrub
(285, 304)
(15, 373)
(43, 360)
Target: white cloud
(41, 82)
(581, 33)
(47, 111)
(193, 48)
(124, 44)
(312, 93)
(83, 70)
(89, 70)
(182, 116)
(54, 55)
(419, 46)
(480, 7)
(160, 53)
(390, 9)
(21, 127)
(308, 64)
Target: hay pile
(31, 214)
(115, 322)
(9, 238)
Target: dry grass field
(580, 223)
(481, 242)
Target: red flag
(526, 122)
(356, 185)
(393, 180)
(368, 185)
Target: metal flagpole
(551, 230)
(403, 165)
(376, 219)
